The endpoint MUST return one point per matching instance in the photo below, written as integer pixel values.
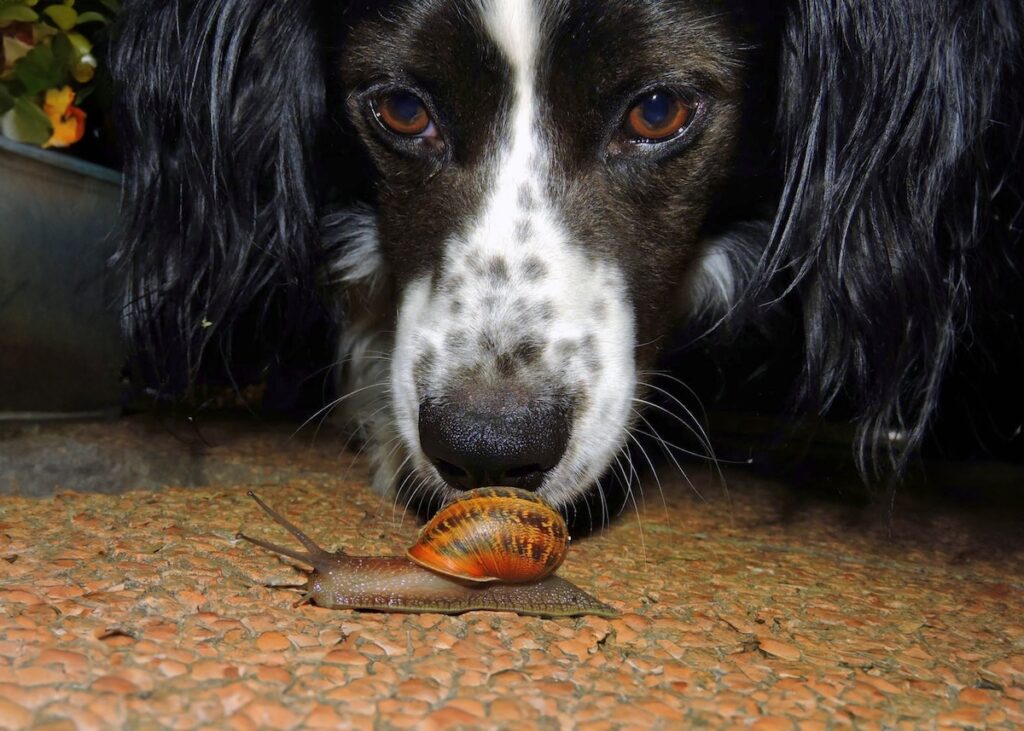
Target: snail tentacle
(290, 553)
(316, 553)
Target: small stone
(18, 596)
(323, 717)
(213, 670)
(269, 714)
(114, 684)
(171, 668)
(36, 675)
(270, 674)
(13, 716)
(449, 717)
(780, 649)
(346, 657)
(273, 642)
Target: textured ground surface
(141, 609)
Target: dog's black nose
(494, 439)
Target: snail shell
(493, 534)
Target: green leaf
(6, 99)
(90, 16)
(26, 122)
(21, 13)
(39, 70)
(62, 15)
(80, 43)
(62, 50)
(114, 6)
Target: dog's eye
(657, 117)
(403, 113)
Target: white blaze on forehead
(515, 28)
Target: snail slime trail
(500, 566)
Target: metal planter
(60, 348)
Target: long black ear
(900, 140)
(220, 105)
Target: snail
(495, 549)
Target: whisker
(683, 450)
(654, 472)
(372, 355)
(668, 376)
(396, 441)
(335, 402)
(398, 490)
(673, 458)
(705, 439)
(357, 430)
(623, 450)
(422, 482)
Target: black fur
(901, 129)
(222, 106)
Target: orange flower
(68, 120)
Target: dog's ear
(891, 115)
(220, 106)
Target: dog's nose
(498, 439)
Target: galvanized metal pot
(60, 347)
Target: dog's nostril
(450, 472)
(500, 442)
(444, 466)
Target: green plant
(47, 67)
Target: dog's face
(544, 170)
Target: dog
(515, 205)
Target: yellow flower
(68, 120)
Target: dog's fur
(527, 269)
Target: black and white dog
(516, 202)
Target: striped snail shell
(493, 534)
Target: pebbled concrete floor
(763, 609)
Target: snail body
(400, 584)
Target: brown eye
(403, 114)
(657, 117)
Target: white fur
(360, 259)
(364, 347)
(575, 284)
(721, 275)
